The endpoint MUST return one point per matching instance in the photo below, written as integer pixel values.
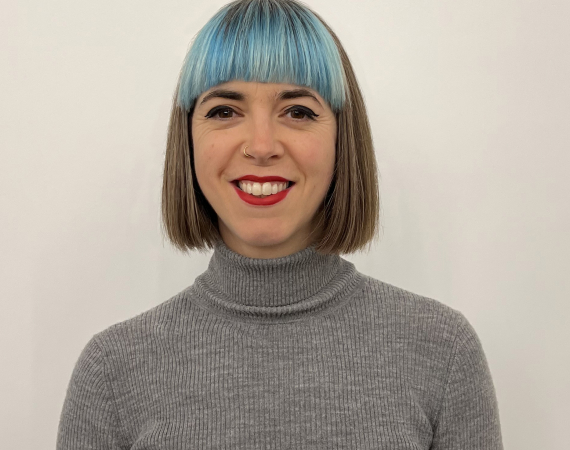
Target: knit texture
(299, 352)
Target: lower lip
(265, 201)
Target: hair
(280, 41)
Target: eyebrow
(238, 96)
(297, 93)
(223, 93)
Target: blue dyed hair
(273, 41)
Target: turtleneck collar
(281, 289)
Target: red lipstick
(267, 200)
(261, 179)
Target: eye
(301, 112)
(221, 112)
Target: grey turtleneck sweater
(299, 352)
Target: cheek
(204, 154)
(318, 159)
(201, 167)
(203, 163)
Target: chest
(269, 397)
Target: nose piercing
(245, 154)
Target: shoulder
(147, 330)
(405, 301)
(438, 341)
(414, 315)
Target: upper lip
(261, 179)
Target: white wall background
(470, 108)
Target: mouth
(262, 189)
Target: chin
(265, 238)
(268, 237)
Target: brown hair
(348, 218)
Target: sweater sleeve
(469, 415)
(89, 418)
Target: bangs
(266, 41)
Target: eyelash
(308, 113)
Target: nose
(262, 143)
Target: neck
(276, 289)
(268, 250)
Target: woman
(280, 343)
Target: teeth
(259, 189)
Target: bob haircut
(279, 41)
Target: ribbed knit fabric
(299, 352)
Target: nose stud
(245, 154)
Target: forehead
(249, 91)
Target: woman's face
(290, 132)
